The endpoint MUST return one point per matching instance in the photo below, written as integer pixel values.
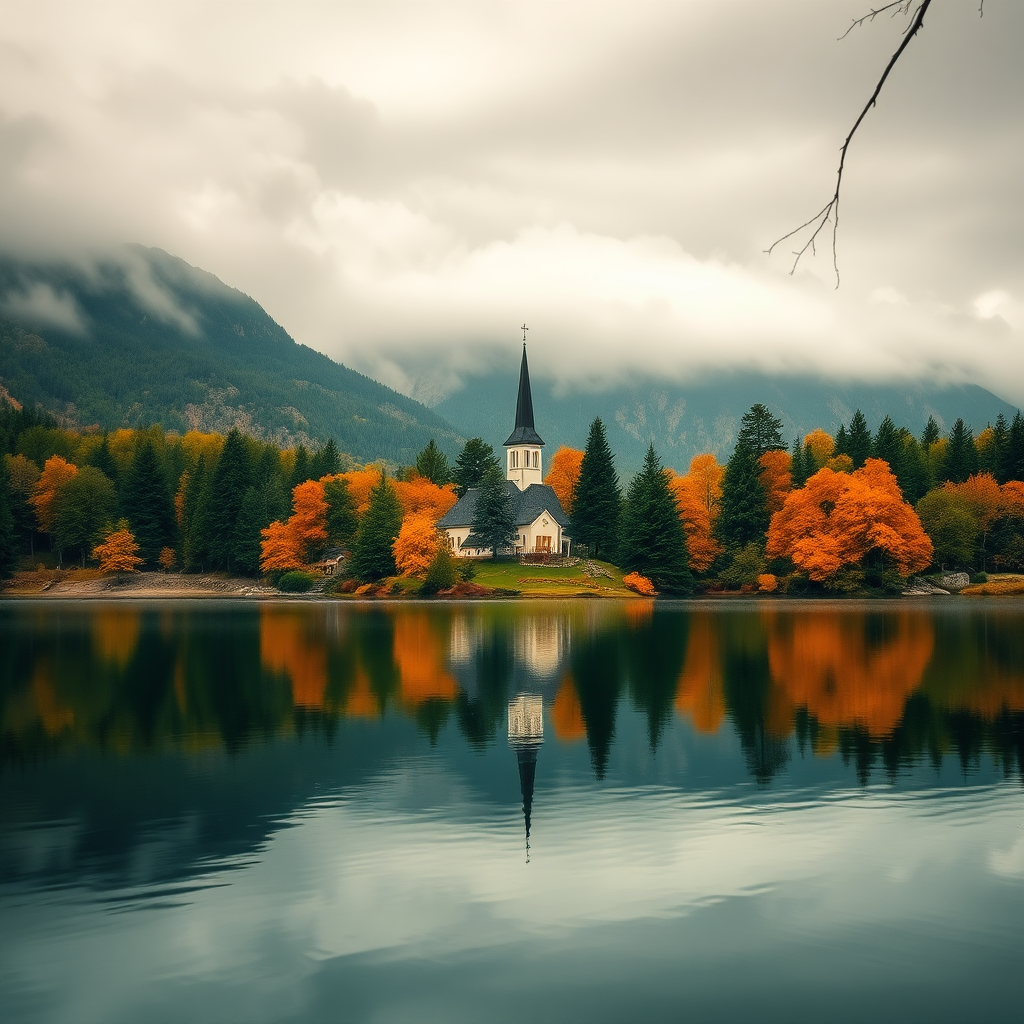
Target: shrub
(295, 582)
(767, 583)
(639, 584)
(442, 573)
(980, 577)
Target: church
(540, 520)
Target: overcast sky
(400, 185)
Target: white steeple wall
(524, 465)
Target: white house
(541, 521)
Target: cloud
(40, 304)
(401, 185)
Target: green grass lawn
(549, 580)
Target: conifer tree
(432, 463)
(254, 516)
(326, 461)
(798, 467)
(301, 470)
(476, 457)
(858, 445)
(147, 504)
(232, 477)
(744, 515)
(494, 520)
(888, 445)
(913, 475)
(842, 442)
(930, 434)
(597, 503)
(103, 460)
(342, 521)
(372, 555)
(961, 455)
(8, 540)
(1000, 450)
(652, 541)
(195, 543)
(1015, 449)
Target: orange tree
(416, 545)
(56, 473)
(839, 523)
(280, 548)
(118, 552)
(563, 474)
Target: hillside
(142, 337)
(684, 419)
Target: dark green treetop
(494, 520)
(858, 445)
(476, 457)
(326, 461)
(597, 502)
(342, 521)
(372, 554)
(1015, 449)
(930, 434)
(888, 445)
(301, 470)
(86, 504)
(147, 505)
(651, 539)
(961, 455)
(232, 477)
(432, 463)
(8, 540)
(744, 515)
(798, 467)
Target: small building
(542, 523)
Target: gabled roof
(524, 432)
(528, 505)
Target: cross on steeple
(524, 329)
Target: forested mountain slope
(683, 419)
(142, 337)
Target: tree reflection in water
(887, 685)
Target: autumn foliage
(290, 545)
(421, 497)
(697, 496)
(837, 519)
(118, 552)
(639, 584)
(775, 477)
(563, 474)
(416, 544)
(56, 473)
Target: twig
(830, 211)
(902, 6)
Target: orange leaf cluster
(118, 553)
(767, 583)
(416, 544)
(56, 473)
(697, 495)
(775, 477)
(982, 496)
(279, 549)
(360, 483)
(419, 655)
(420, 496)
(289, 545)
(820, 445)
(639, 584)
(166, 559)
(564, 473)
(837, 518)
(1012, 494)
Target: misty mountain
(683, 419)
(142, 337)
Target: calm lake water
(556, 812)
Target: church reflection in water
(881, 686)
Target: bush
(980, 577)
(295, 582)
(466, 568)
(442, 573)
(745, 566)
(639, 584)
(767, 583)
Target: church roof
(524, 432)
(528, 504)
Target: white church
(542, 523)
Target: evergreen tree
(342, 521)
(472, 464)
(744, 515)
(232, 477)
(930, 434)
(195, 542)
(325, 462)
(147, 505)
(1015, 449)
(433, 464)
(859, 440)
(798, 468)
(888, 445)
(372, 554)
(1000, 450)
(246, 541)
(494, 517)
(842, 442)
(913, 476)
(8, 540)
(598, 498)
(961, 455)
(652, 540)
(103, 460)
(301, 470)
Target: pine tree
(913, 475)
(798, 468)
(195, 543)
(888, 445)
(930, 434)
(326, 461)
(597, 502)
(433, 464)
(8, 539)
(1000, 450)
(232, 477)
(147, 505)
(1015, 449)
(494, 519)
(254, 515)
(744, 515)
(842, 442)
(961, 455)
(342, 521)
(372, 555)
(859, 440)
(472, 464)
(652, 540)
(301, 471)
(103, 460)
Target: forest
(856, 513)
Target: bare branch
(901, 7)
(829, 213)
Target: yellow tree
(56, 473)
(775, 477)
(118, 552)
(563, 474)
(416, 545)
(705, 480)
(820, 446)
(697, 521)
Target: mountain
(704, 416)
(141, 337)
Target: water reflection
(879, 685)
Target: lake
(506, 811)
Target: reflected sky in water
(215, 812)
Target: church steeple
(524, 443)
(525, 736)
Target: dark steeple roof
(524, 432)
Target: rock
(954, 581)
